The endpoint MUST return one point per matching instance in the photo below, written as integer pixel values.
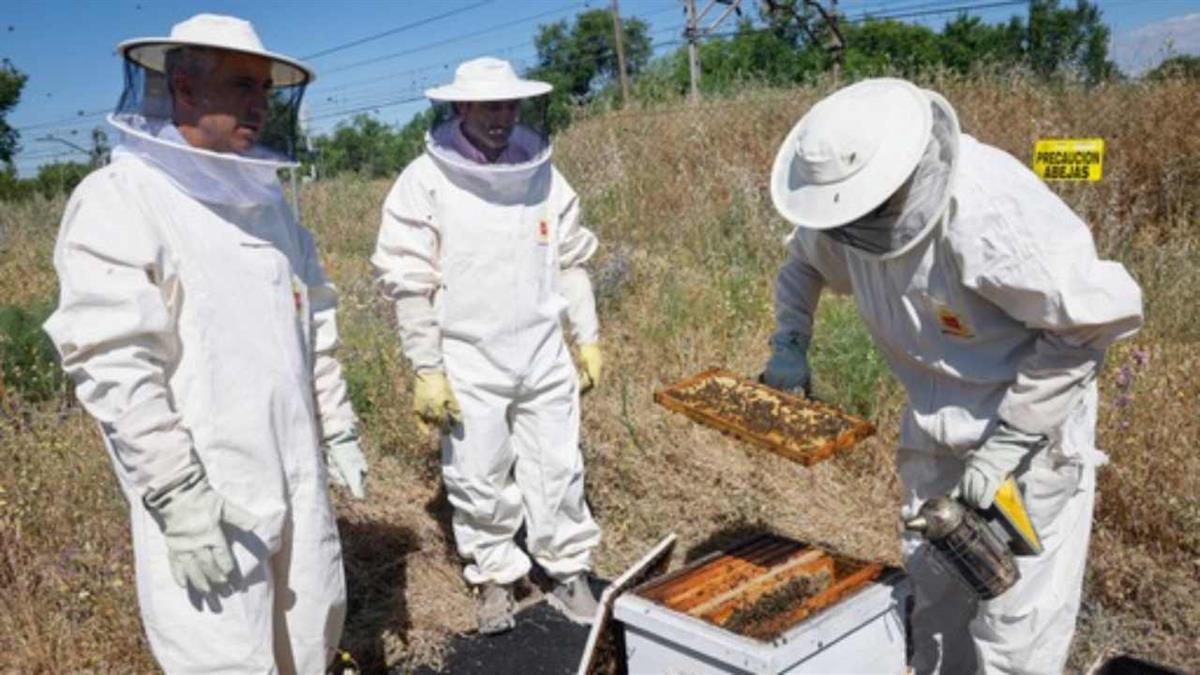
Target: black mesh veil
(528, 131)
(146, 106)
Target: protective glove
(593, 361)
(787, 369)
(989, 464)
(434, 402)
(347, 466)
(191, 514)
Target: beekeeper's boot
(574, 599)
(496, 608)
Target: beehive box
(767, 605)
(800, 429)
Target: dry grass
(691, 244)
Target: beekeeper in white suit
(199, 329)
(481, 250)
(984, 292)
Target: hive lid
(604, 651)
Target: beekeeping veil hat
(216, 32)
(487, 79)
(144, 114)
(870, 165)
(523, 164)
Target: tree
(1180, 66)
(793, 46)
(11, 83)
(773, 57)
(878, 47)
(581, 59)
(60, 177)
(370, 147)
(12, 188)
(967, 41)
(1062, 40)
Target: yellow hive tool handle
(1009, 508)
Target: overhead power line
(945, 10)
(81, 115)
(412, 94)
(926, 8)
(452, 40)
(399, 29)
(100, 112)
(357, 98)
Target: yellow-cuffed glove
(434, 402)
(593, 361)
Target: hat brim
(508, 92)
(152, 53)
(906, 121)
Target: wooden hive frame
(794, 449)
(721, 584)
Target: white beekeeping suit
(984, 293)
(200, 330)
(484, 260)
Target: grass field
(690, 246)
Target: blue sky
(66, 47)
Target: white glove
(989, 464)
(347, 466)
(191, 514)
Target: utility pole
(692, 33)
(618, 33)
(837, 44)
(96, 157)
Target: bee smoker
(968, 545)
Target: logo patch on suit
(953, 324)
(543, 231)
(297, 298)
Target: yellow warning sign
(1069, 158)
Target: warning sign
(1069, 158)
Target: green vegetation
(1181, 65)
(690, 245)
(28, 361)
(579, 59)
(849, 372)
(11, 83)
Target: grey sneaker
(574, 599)
(496, 608)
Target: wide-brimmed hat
(487, 79)
(217, 32)
(850, 152)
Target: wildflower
(1141, 357)
(1125, 376)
